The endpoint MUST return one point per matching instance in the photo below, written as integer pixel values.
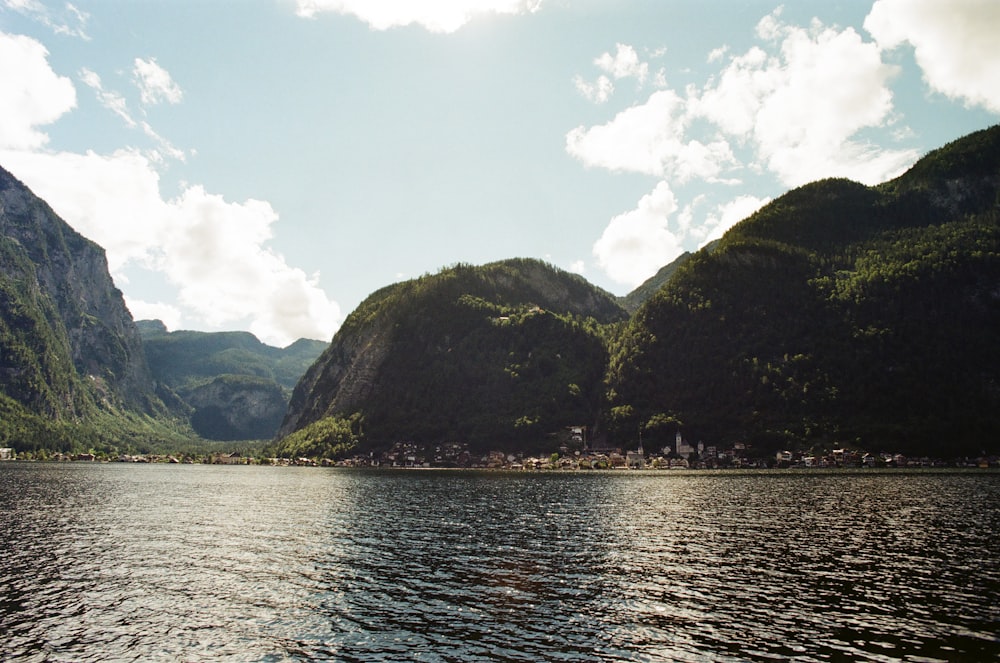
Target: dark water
(201, 563)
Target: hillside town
(679, 455)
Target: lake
(216, 563)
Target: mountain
(71, 360)
(233, 386)
(838, 313)
(505, 354)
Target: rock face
(67, 340)
(236, 407)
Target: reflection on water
(126, 562)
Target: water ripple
(137, 563)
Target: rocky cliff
(67, 340)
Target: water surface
(195, 563)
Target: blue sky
(265, 165)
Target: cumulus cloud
(33, 95)
(155, 83)
(824, 87)
(637, 243)
(954, 43)
(795, 107)
(434, 15)
(651, 138)
(800, 100)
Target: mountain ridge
(839, 313)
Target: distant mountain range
(233, 386)
(838, 314)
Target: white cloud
(117, 104)
(637, 243)
(113, 101)
(717, 54)
(155, 83)
(831, 85)
(799, 106)
(650, 138)
(638, 139)
(33, 95)
(213, 251)
(803, 106)
(433, 15)
(955, 43)
(795, 107)
(599, 91)
(70, 21)
(623, 64)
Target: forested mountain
(232, 386)
(504, 355)
(837, 313)
(72, 370)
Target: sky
(265, 165)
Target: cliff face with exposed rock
(67, 341)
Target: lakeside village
(574, 454)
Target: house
(6, 453)
(229, 459)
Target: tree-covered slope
(503, 355)
(837, 313)
(233, 386)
